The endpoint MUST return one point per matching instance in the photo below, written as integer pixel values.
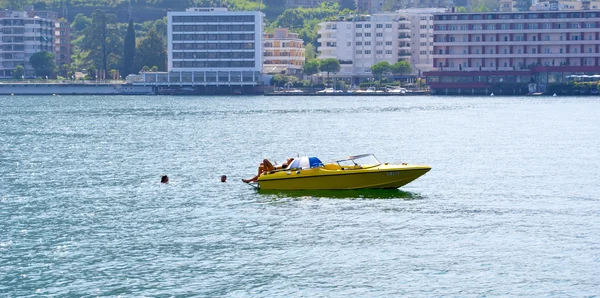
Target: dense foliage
(44, 64)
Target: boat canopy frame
(363, 160)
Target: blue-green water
(510, 208)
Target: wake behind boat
(355, 172)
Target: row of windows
(518, 26)
(20, 22)
(212, 28)
(378, 52)
(518, 37)
(213, 19)
(547, 15)
(19, 39)
(213, 46)
(213, 36)
(378, 26)
(368, 34)
(368, 43)
(212, 64)
(212, 55)
(575, 50)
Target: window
(379, 26)
(379, 34)
(367, 52)
(547, 50)
(359, 52)
(388, 52)
(367, 43)
(388, 26)
(358, 34)
(547, 37)
(388, 43)
(367, 26)
(367, 34)
(358, 26)
(359, 43)
(379, 52)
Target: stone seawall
(73, 89)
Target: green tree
(102, 40)
(43, 63)
(309, 52)
(329, 65)
(311, 68)
(12, 4)
(379, 68)
(151, 51)
(129, 50)
(80, 23)
(19, 72)
(401, 67)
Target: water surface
(510, 208)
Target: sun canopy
(305, 162)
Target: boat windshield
(363, 160)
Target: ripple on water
(510, 207)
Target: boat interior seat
(331, 166)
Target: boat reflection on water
(342, 194)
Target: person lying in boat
(267, 166)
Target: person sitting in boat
(267, 166)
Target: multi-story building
(359, 42)
(62, 48)
(214, 46)
(479, 52)
(564, 5)
(420, 45)
(284, 52)
(305, 3)
(22, 34)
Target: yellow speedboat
(354, 172)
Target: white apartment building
(420, 45)
(22, 34)
(359, 42)
(214, 46)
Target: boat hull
(380, 177)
